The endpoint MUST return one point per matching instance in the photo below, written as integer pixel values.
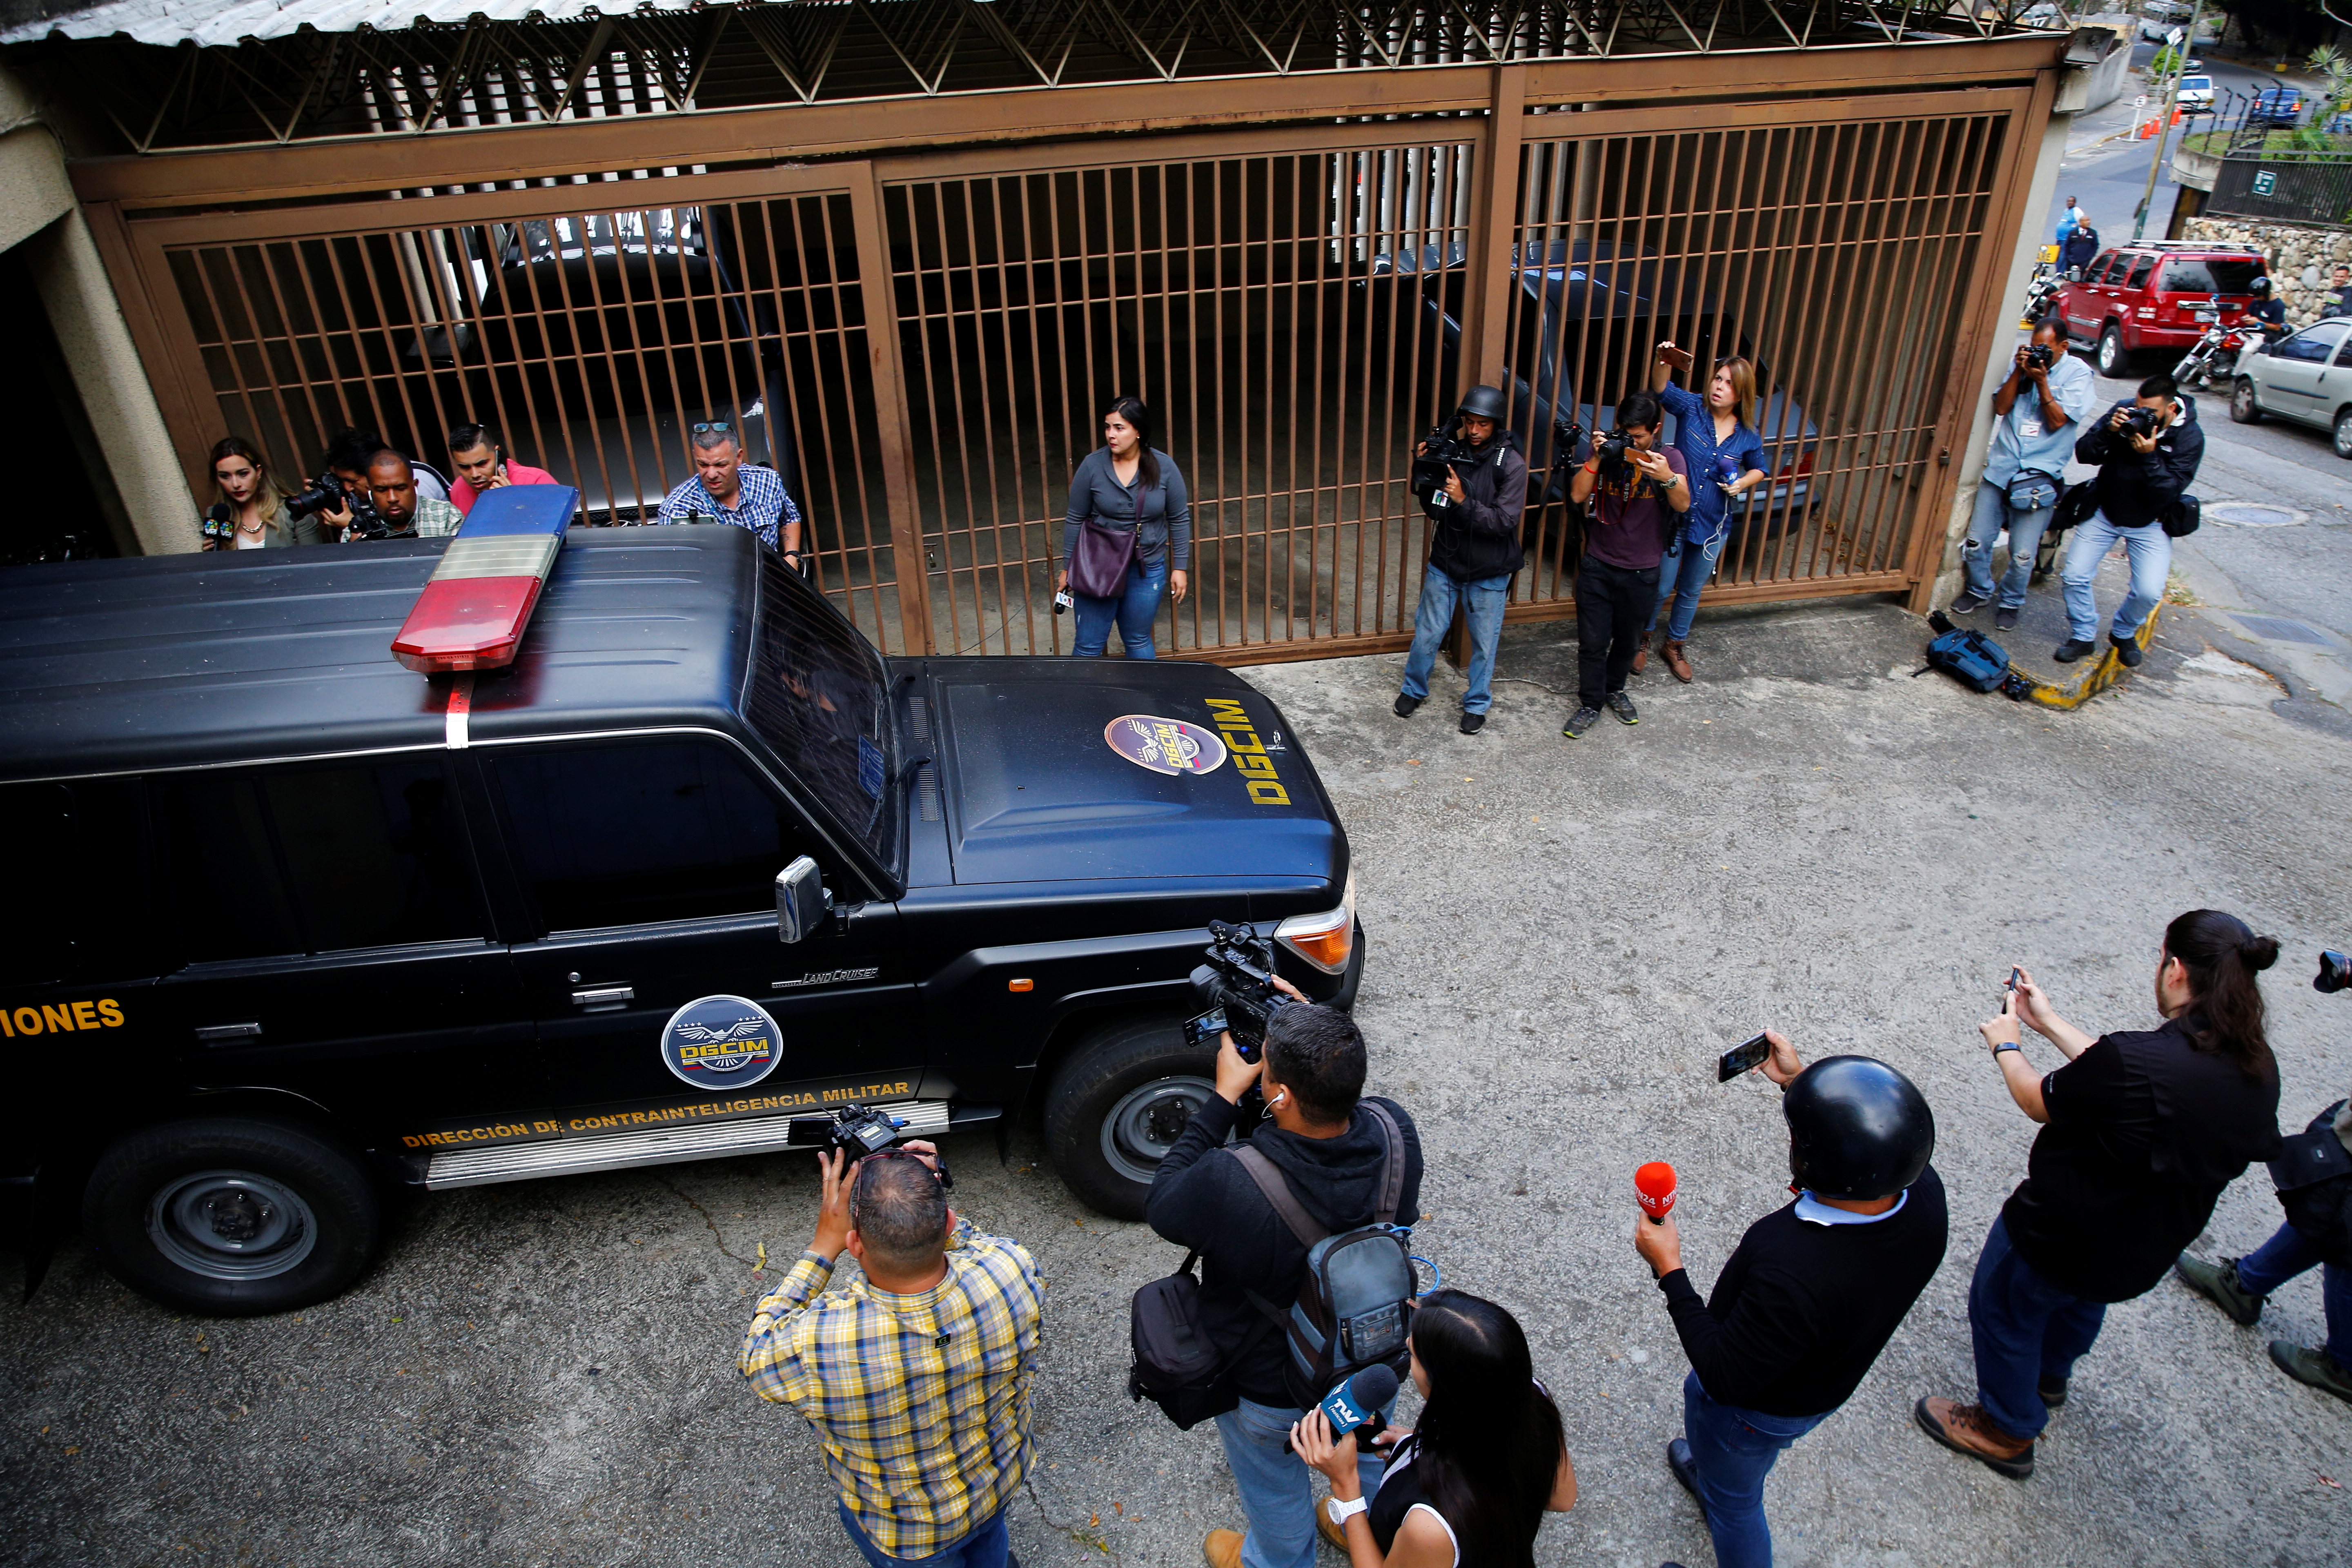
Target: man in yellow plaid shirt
(916, 1377)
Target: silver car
(2305, 376)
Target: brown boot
(1967, 1430)
(1641, 654)
(1329, 1531)
(1676, 662)
(1222, 1549)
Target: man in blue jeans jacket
(1814, 1292)
(2039, 410)
(1472, 557)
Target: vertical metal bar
(890, 420)
(1490, 271)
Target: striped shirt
(761, 504)
(921, 1402)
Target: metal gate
(1296, 304)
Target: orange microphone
(1654, 1188)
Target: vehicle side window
(2097, 271)
(2141, 265)
(631, 833)
(2312, 344)
(316, 859)
(2344, 355)
(77, 860)
(2187, 275)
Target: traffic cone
(2176, 117)
(2146, 129)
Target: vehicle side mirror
(802, 902)
(2073, 275)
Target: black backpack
(1355, 1300)
(1176, 1367)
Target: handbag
(1098, 565)
(2181, 518)
(2032, 491)
(1176, 1365)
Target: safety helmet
(1483, 403)
(2259, 286)
(1857, 1129)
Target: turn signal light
(1327, 940)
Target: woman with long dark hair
(1127, 486)
(1468, 1486)
(2142, 1129)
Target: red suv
(2146, 294)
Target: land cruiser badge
(721, 1043)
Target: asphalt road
(1563, 936)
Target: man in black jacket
(1332, 1152)
(1472, 555)
(1814, 1292)
(2147, 451)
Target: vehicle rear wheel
(230, 1217)
(1118, 1104)
(2243, 407)
(2114, 357)
(2344, 432)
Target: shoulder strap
(1276, 1188)
(1391, 1163)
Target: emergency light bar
(473, 608)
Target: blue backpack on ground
(1972, 658)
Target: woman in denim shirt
(1717, 437)
(1120, 480)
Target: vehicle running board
(654, 1146)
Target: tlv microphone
(1356, 1404)
(1654, 1188)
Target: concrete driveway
(1563, 937)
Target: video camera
(1439, 453)
(326, 493)
(854, 1130)
(2335, 974)
(1237, 983)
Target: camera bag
(1176, 1366)
(2313, 1177)
(1970, 658)
(2031, 489)
(1355, 1300)
(2181, 518)
(2077, 506)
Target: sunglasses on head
(714, 427)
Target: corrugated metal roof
(208, 22)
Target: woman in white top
(253, 501)
(1469, 1485)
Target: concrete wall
(38, 218)
(2300, 257)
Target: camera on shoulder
(1440, 452)
(1237, 983)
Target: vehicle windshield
(819, 695)
(2211, 274)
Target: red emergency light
(474, 608)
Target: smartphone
(1678, 358)
(2009, 987)
(1742, 1059)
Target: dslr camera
(326, 493)
(1237, 983)
(2039, 357)
(1610, 452)
(2139, 420)
(2335, 974)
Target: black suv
(301, 925)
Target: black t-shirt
(2145, 1131)
(1803, 1310)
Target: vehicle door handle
(602, 998)
(221, 1034)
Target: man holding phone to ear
(1814, 1292)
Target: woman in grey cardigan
(1120, 480)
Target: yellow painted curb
(2105, 672)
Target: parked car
(2194, 95)
(2277, 108)
(2146, 295)
(2306, 377)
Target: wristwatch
(2006, 1045)
(1341, 1512)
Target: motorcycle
(2038, 292)
(2213, 358)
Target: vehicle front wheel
(2344, 432)
(2244, 408)
(229, 1218)
(2114, 357)
(1118, 1104)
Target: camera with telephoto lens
(1237, 983)
(2039, 357)
(1433, 465)
(326, 493)
(2335, 974)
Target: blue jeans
(1482, 603)
(2150, 549)
(1135, 608)
(1680, 578)
(1992, 515)
(1733, 1450)
(2025, 1330)
(1277, 1497)
(2284, 1256)
(982, 1546)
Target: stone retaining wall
(2293, 250)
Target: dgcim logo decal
(1250, 758)
(721, 1043)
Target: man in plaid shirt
(726, 489)
(916, 1377)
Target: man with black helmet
(1814, 1292)
(1473, 554)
